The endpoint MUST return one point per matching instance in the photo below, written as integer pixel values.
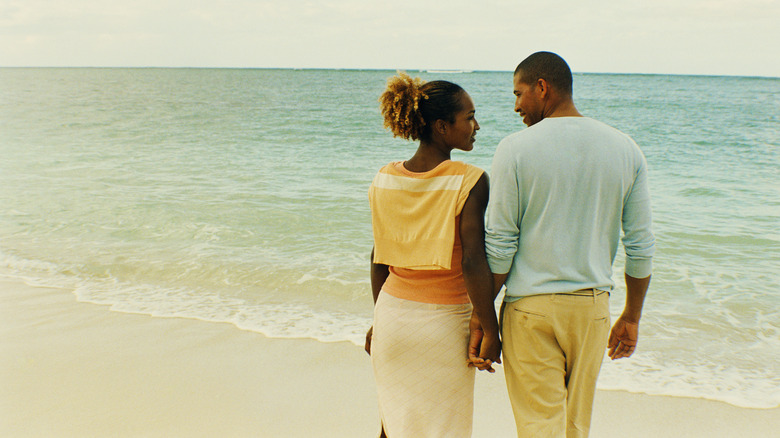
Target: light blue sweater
(560, 193)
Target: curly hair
(410, 106)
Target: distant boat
(448, 71)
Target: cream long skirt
(419, 353)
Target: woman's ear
(440, 126)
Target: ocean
(240, 195)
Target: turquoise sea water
(240, 196)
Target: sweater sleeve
(638, 238)
(502, 230)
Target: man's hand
(623, 339)
(483, 350)
(625, 332)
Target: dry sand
(71, 369)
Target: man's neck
(564, 108)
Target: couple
(561, 192)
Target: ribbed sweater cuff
(499, 266)
(639, 268)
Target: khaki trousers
(553, 346)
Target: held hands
(623, 339)
(484, 349)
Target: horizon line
(421, 70)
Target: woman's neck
(427, 157)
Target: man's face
(528, 101)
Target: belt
(584, 293)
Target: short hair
(548, 66)
(410, 106)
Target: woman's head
(411, 106)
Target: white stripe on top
(395, 182)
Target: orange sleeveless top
(441, 286)
(416, 224)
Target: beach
(232, 196)
(204, 237)
(72, 369)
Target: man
(561, 192)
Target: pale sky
(711, 37)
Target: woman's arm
(379, 274)
(479, 278)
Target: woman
(429, 274)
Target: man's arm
(498, 283)
(502, 229)
(625, 333)
(639, 243)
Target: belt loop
(593, 291)
(501, 313)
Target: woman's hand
(484, 350)
(369, 335)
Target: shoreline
(79, 369)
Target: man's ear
(544, 87)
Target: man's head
(548, 66)
(542, 82)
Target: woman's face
(461, 134)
